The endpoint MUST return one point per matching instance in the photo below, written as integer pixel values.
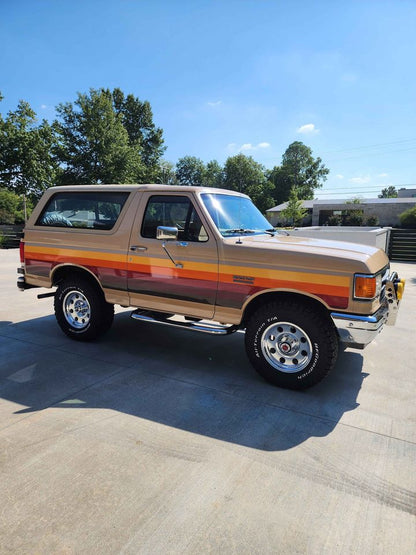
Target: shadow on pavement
(193, 382)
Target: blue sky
(234, 76)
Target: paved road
(157, 440)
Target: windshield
(235, 215)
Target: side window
(83, 210)
(173, 211)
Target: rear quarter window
(88, 210)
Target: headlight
(367, 287)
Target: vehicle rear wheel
(81, 309)
(290, 344)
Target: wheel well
(67, 271)
(267, 298)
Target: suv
(206, 259)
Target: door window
(173, 211)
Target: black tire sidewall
(100, 318)
(316, 327)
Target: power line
(368, 190)
(370, 146)
(365, 155)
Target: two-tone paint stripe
(235, 283)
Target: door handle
(137, 248)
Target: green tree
(27, 166)
(243, 174)
(166, 173)
(389, 192)
(137, 119)
(107, 138)
(408, 218)
(281, 182)
(299, 169)
(12, 207)
(294, 212)
(190, 171)
(214, 175)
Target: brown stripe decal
(154, 275)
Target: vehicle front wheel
(81, 309)
(290, 344)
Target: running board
(206, 327)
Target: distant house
(406, 193)
(387, 210)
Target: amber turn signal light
(365, 287)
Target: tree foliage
(294, 212)
(12, 207)
(245, 175)
(137, 119)
(214, 175)
(166, 173)
(389, 192)
(299, 170)
(27, 166)
(105, 137)
(190, 171)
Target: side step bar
(206, 327)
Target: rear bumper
(357, 331)
(22, 285)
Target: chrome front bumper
(357, 331)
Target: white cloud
(307, 129)
(383, 175)
(214, 104)
(360, 180)
(339, 176)
(43, 107)
(249, 146)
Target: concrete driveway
(156, 440)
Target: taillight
(22, 251)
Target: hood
(304, 251)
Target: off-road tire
(81, 309)
(291, 344)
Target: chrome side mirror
(164, 233)
(168, 234)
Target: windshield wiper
(239, 230)
(270, 231)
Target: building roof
(309, 204)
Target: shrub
(335, 219)
(354, 217)
(408, 218)
(372, 221)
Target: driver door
(178, 276)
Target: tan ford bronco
(206, 259)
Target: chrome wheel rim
(286, 347)
(77, 310)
